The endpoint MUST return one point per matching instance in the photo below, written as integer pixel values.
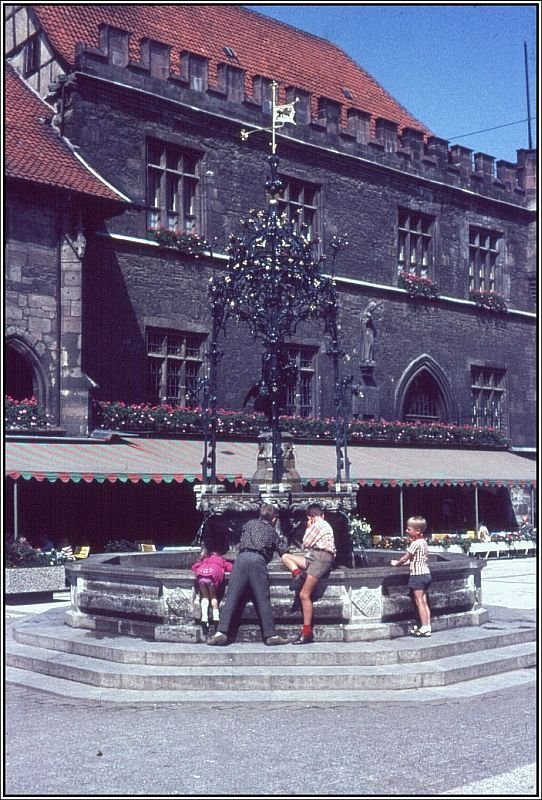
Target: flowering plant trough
(187, 243)
(487, 300)
(25, 414)
(165, 418)
(418, 286)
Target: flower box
(487, 300)
(187, 243)
(166, 419)
(26, 580)
(25, 415)
(417, 286)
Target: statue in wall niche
(78, 244)
(368, 332)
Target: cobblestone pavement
(485, 745)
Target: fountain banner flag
(284, 114)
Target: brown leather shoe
(304, 638)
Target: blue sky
(459, 68)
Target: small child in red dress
(210, 571)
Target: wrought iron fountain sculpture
(273, 283)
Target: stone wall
(34, 580)
(151, 595)
(44, 252)
(31, 274)
(132, 285)
(363, 179)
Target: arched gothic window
(423, 400)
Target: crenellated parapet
(220, 85)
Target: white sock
(204, 609)
(216, 615)
(425, 629)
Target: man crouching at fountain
(316, 564)
(259, 540)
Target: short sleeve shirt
(419, 553)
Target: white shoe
(421, 632)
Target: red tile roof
(34, 151)
(263, 46)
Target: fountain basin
(151, 596)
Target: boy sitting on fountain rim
(308, 569)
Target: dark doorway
(19, 383)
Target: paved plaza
(471, 745)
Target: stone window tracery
(483, 258)
(172, 188)
(174, 362)
(299, 202)
(300, 401)
(415, 243)
(423, 400)
(488, 397)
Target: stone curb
(79, 693)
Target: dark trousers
(249, 571)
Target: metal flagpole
(15, 511)
(528, 100)
(273, 104)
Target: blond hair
(417, 522)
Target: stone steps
(44, 653)
(83, 693)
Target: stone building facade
(405, 201)
(54, 203)
(160, 118)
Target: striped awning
(406, 466)
(125, 460)
(157, 460)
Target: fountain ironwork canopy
(272, 284)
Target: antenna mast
(528, 101)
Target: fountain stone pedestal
(151, 596)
